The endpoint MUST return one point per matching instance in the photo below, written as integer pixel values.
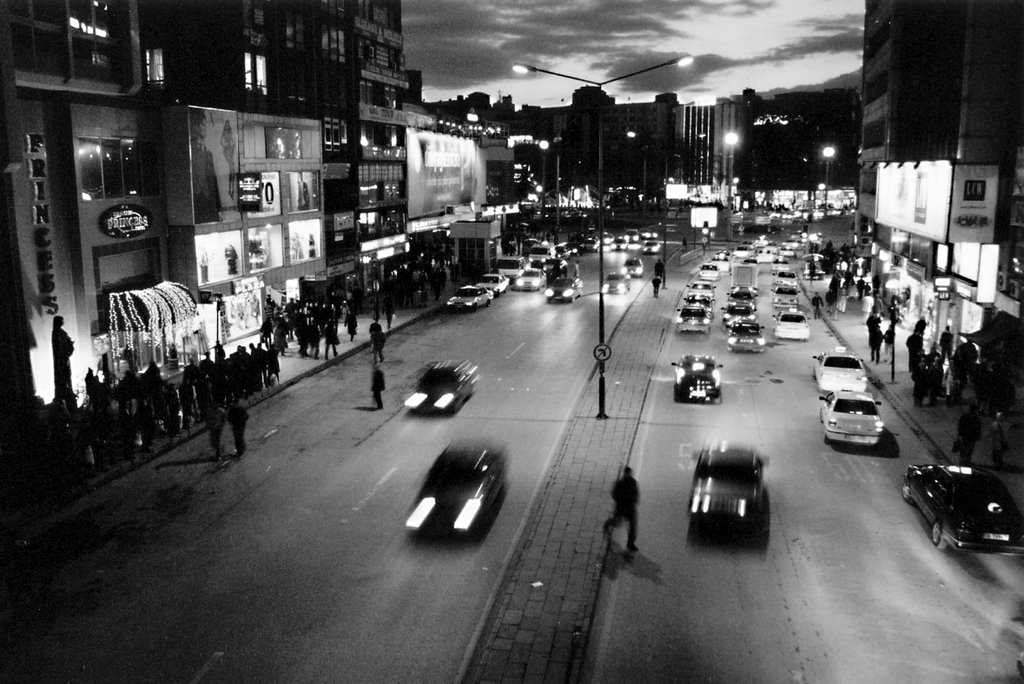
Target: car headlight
(862, 378)
(421, 512)
(832, 422)
(732, 340)
(604, 288)
(520, 282)
(567, 293)
(451, 302)
(445, 400)
(717, 375)
(415, 400)
(706, 321)
(549, 292)
(742, 508)
(468, 513)
(879, 426)
(680, 374)
(760, 341)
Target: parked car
(495, 283)
(532, 280)
(469, 297)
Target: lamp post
(643, 185)
(543, 175)
(601, 352)
(558, 185)
(730, 140)
(827, 153)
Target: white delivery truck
(744, 275)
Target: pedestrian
(968, 432)
(920, 378)
(377, 386)
(656, 284)
(331, 337)
(946, 343)
(237, 417)
(215, 416)
(389, 308)
(997, 440)
(875, 338)
(888, 340)
(626, 495)
(915, 347)
(377, 339)
(935, 373)
(843, 297)
(830, 302)
(351, 324)
(861, 286)
(816, 303)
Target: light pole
(598, 351)
(827, 153)
(643, 186)
(543, 176)
(730, 140)
(558, 185)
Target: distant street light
(827, 153)
(528, 68)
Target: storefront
(156, 324)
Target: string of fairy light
(138, 315)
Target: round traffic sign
(602, 352)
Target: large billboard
(973, 215)
(443, 171)
(213, 138)
(915, 197)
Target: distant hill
(850, 80)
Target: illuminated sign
(125, 221)
(250, 191)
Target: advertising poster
(443, 170)
(213, 138)
(915, 197)
(973, 215)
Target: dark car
(745, 336)
(967, 508)
(564, 290)
(728, 485)
(444, 387)
(555, 267)
(697, 378)
(462, 492)
(738, 312)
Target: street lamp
(558, 185)
(526, 69)
(730, 140)
(643, 187)
(827, 153)
(543, 144)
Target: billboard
(973, 215)
(213, 144)
(915, 197)
(443, 171)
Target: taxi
(709, 271)
(785, 296)
(745, 249)
(746, 336)
(701, 287)
(532, 280)
(634, 267)
(791, 325)
(851, 417)
(839, 369)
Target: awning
(1000, 326)
(165, 306)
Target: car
(746, 336)
(697, 378)
(708, 271)
(469, 297)
(634, 267)
(620, 243)
(723, 261)
(791, 325)
(462, 492)
(766, 255)
(443, 387)
(532, 280)
(743, 250)
(633, 235)
(565, 250)
(616, 283)
(701, 287)
(540, 251)
(736, 312)
(785, 297)
(495, 283)
(651, 247)
(564, 290)
(838, 369)
(780, 263)
(851, 417)
(692, 318)
(743, 293)
(728, 485)
(702, 300)
(648, 234)
(787, 277)
(749, 260)
(967, 508)
(587, 244)
(786, 251)
(510, 266)
(555, 267)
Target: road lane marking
(210, 662)
(373, 490)
(513, 352)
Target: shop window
(265, 248)
(304, 190)
(218, 256)
(304, 240)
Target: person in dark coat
(626, 495)
(237, 417)
(389, 309)
(351, 324)
(935, 373)
(215, 416)
(946, 343)
(875, 337)
(273, 367)
(915, 347)
(331, 337)
(377, 386)
(968, 432)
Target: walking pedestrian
(915, 347)
(656, 284)
(997, 440)
(377, 339)
(968, 432)
(816, 303)
(946, 343)
(237, 417)
(888, 340)
(351, 324)
(389, 308)
(215, 416)
(626, 495)
(331, 337)
(377, 386)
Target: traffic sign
(602, 352)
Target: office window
(294, 36)
(155, 67)
(112, 167)
(256, 73)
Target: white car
(780, 263)
(709, 272)
(766, 255)
(693, 318)
(495, 283)
(700, 287)
(469, 297)
(723, 261)
(786, 278)
(785, 296)
(745, 249)
(634, 268)
(851, 417)
(791, 325)
(838, 369)
(651, 247)
(621, 243)
(532, 280)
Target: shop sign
(246, 285)
(915, 271)
(250, 191)
(943, 287)
(125, 221)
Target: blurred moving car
(651, 247)
(692, 318)
(785, 296)
(837, 369)
(587, 244)
(851, 417)
(495, 283)
(444, 387)
(745, 336)
(462, 492)
(723, 260)
(708, 272)
(532, 280)
(700, 287)
(737, 312)
(620, 243)
(616, 283)
(564, 290)
(634, 267)
(469, 297)
(697, 378)
(791, 325)
(728, 485)
(967, 508)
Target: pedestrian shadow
(640, 566)
(366, 408)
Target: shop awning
(165, 306)
(1000, 326)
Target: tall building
(941, 149)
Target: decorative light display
(144, 314)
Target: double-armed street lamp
(601, 352)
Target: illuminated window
(155, 67)
(256, 73)
(113, 167)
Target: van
(542, 251)
(511, 266)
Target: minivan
(511, 266)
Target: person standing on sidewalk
(968, 432)
(997, 440)
(915, 347)
(377, 386)
(389, 308)
(215, 425)
(377, 339)
(237, 417)
(351, 324)
(888, 340)
(626, 495)
(875, 337)
(816, 303)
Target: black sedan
(698, 379)
(564, 290)
(444, 387)
(728, 485)
(967, 508)
(462, 493)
